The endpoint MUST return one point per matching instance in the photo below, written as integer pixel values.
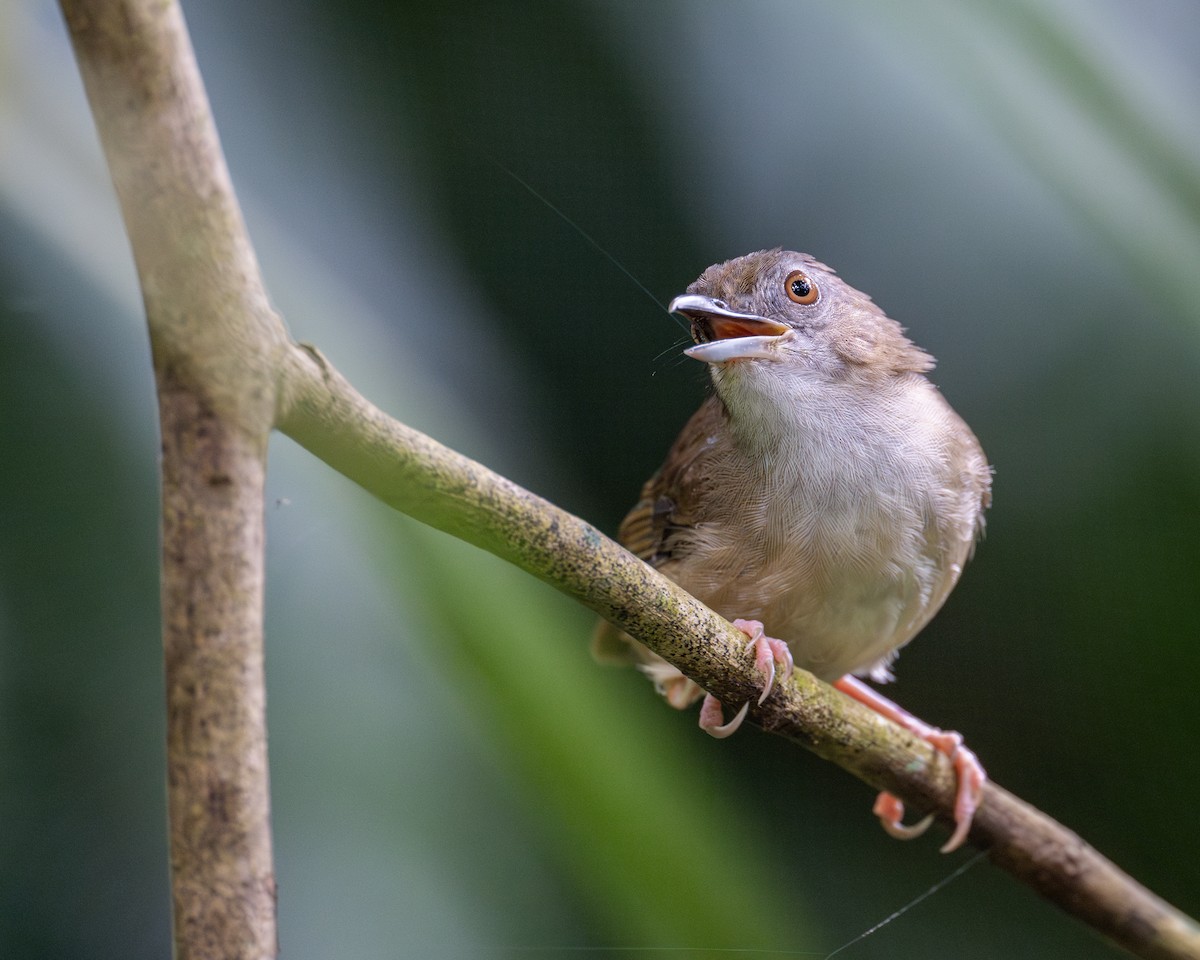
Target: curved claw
(767, 652)
(971, 778)
(712, 720)
(890, 810)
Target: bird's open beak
(722, 334)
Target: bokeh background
(1018, 183)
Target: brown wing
(670, 498)
(669, 503)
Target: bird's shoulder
(673, 498)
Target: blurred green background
(1017, 183)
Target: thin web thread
(912, 903)
(756, 951)
(572, 224)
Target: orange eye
(800, 288)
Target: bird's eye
(800, 288)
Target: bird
(824, 497)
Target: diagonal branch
(420, 477)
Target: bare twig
(226, 371)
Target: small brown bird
(826, 491)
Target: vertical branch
(216, 345)
(222, 878)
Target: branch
(420, 477)
(215, 342)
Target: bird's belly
(844, 591)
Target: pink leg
(971, 776)
(767, 652)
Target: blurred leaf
(667, 862)
(1039, 74)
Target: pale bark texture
(215, 343)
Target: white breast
(860, 517)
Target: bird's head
(781, 307)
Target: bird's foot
(712, 718)
(889, 808)
(767, 653)
(679, 691)
(970, 772)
